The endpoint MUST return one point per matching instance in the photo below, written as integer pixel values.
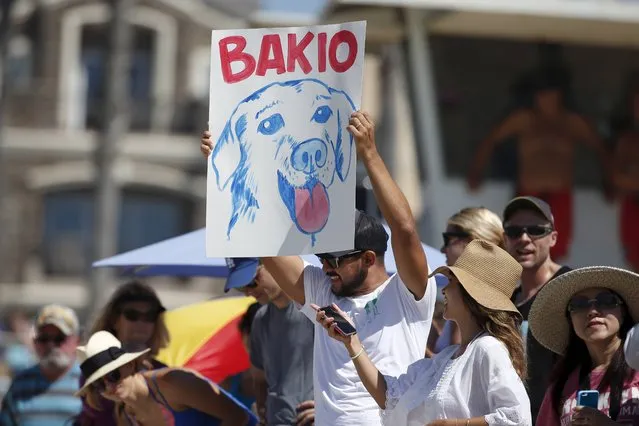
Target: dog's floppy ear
(344, 141)
(227, 154)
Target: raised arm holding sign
(392, 315)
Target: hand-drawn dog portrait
(301, 126)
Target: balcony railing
(42, 108)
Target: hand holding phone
(344, 327)
(588, 398)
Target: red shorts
(561, 206)
(629, 229)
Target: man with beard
(392, 315)
(43, 395)
(530, 234)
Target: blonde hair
(479, 223)
(129, 292)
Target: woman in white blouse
(478, 382)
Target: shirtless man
(626, 181)
(547, 135)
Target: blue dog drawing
(300, 126)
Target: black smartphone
(343, 326)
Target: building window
(199, 73)
(20, 62)
(145, 218)
(94, 65)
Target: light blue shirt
(33, 400)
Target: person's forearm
(607, 170)
(475, 421)
(480, 159)
(235, 420)
(372, 379)
(606, 159)
(287, 271)
(261, 393)
(390, 199)
(625, 183)
(412, 266)
(485, 149)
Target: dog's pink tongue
(311, 208)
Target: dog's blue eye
(322, 114)
(270, 125)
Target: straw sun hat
(488, 274)
(102, 354)
(547, 318)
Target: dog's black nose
(309, 155)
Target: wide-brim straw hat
(488, 274)
(101, 355)
(548, 319)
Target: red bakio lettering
(271, 44)
(296, 53)
(237, 54)
(339, 38)
(271, 56)
(321, 52)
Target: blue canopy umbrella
(185, 256)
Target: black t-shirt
(540, 361)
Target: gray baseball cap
(528, 203)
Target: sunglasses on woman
(112, 377)
(602, 302)
(134, 315)
(448, 236)
(534, 231)
(334, 261)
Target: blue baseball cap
(242, 271)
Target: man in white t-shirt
(392, 315)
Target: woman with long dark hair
(584, 315)
(478, 382)
(134, 314)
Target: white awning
(591, 22)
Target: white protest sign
(281, 177)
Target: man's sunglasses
(602, 302)
(334, 261)
(134, 315)
(250, 285)
(534, 231)
(253, 284)
(56, 340)
(448, 236)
